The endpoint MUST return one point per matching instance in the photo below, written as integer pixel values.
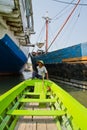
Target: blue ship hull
(69, 63)
(12, 59)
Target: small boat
(51, 100)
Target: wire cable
(69, 2)
(61, 11)
(41, 31)
(74, 23)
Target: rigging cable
(64, 24)
(61, 11)
(41, 31)
(39, 35)
(69, 2)
(74, 24)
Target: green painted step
(32, 93)
(39, 87)
(37, 100)
(36, 112)
(36, 94)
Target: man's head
(40, 63)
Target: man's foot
(48, 88)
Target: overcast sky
(74, 32)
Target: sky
(74, 32)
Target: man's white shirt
(42, 70)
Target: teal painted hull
(67, 63)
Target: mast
(47, 20)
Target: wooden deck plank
(50, 124)
(84, 58)
(24, 122)
(41, 126)
(31, 126)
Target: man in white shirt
(42, 71)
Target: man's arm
(47, 75)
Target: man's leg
(39, 76)
(35, 74)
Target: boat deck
(35, 122)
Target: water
(78, 93)
(7, 82)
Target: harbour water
(7, 82)
(78, 93)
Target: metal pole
(47, 19)
(46, 34)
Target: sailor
(41, 71)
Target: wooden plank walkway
(35, 122)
